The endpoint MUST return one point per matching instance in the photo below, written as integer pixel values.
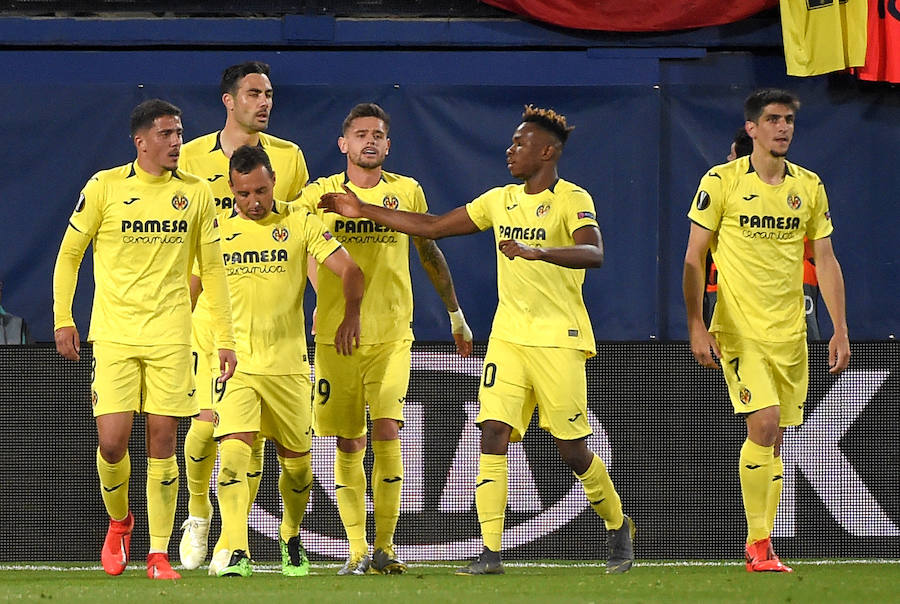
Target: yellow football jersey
(758, 246)
(539, 304)
(381, 253)
(146, 232)
(821, 36)
(265, 262)
(203, 156)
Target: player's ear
(387, 149)
(228, 101)
(342, 144)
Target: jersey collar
(144, 176)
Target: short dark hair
(757, 102)
(146, 113)
(367, 110)
(549, 120)
(247, 158)
(743, 144)
(232, 75)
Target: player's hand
(461, 332)
(227, 363)
(838, 353)
(68, 342)
(512, 248)
(347, 336)
(704, 347)
(346, 204)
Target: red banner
(634, 15)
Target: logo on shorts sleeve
(793, 201)
(79, 205)
(94, 398)
(703, 200)
(586, 215)
(390, 202)
(745, 395)
(327, 236)
(280, 234)
(179, 201)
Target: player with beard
(377, 375)
(753, 213)
(248, 98)
(547, 234)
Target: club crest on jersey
(542, 210)
(215, 418)
(79, 205)
(179, 201)
(390, 202)
(702, 200)
(280, 234)
(745, 395)
(793, 201)
(94, 398)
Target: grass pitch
(866, 581)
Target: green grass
(654, 581)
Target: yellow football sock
(387, 482)
(114, 485)
(775, 492)
(350, 489)
(490, 498)
(199, 462)
(756, 481)
(601, 494)
(162, 497)
(255, 469)
(295, 484)
(234, 457)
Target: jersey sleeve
(299, 178)
(320, 243)
(709, 202)
(310, 196)
(418, 200)
(88, 211)
(479, 210)
(209, 223)
(819, 225)
(579, 211)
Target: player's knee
(351, 445)
(385, 429)
(112, 450)
(575, 455)
(495, 437)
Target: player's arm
(430, 226)
(438, 272)
(831, 286)
(212, 275)
(341, 264)
(65, 277)
(196, 287)
(693, 285)
(586, 253)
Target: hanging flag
(634, 15)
